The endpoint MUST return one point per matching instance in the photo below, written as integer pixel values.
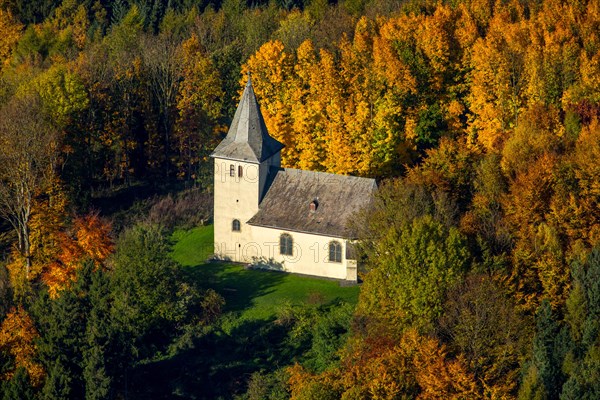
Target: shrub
(186, 210)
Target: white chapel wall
(235, 197)
(310, 253)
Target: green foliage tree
(58, 382)
(18, 387)
(268, 386)
(145, 284)
(101, 357)
(62, 323)
(582, 363)
(543, 377)
(329, 333)
(417, 263)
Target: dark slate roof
(248, 139)
(286, 204)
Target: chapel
(281, 218)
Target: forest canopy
(479, 118)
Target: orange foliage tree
(380, 368)
(17, 338)
(90, 240)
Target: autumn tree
(90, 241)
(124, 101)
(498, 80)
(48, 223)
(481, 322)
(378, 367)
(574, 211)
(162, 58)
(10, 33)
(199, 106)
(485, 217)
(29, 145)
(448, 169)
(18, 336)
(306, 113)
(271, 69)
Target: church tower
(242, 164)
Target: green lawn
(255, 295)
(216, 361)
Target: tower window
(232, 170)
(335, 252)
(235, 225)
(240, 171)
(286, 245)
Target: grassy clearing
(255, 295)
(216, 361)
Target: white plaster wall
(310, 254)
(234, 198)
(237, 198)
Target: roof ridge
(305, 171)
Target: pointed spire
(248, 138)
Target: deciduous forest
(480, 258)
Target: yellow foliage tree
(199, 102)
(309, 122)
(10, 33)
(17, 338)
(498, 78)
(527, 206)
(272, 69)
(575, 212)
(48, 220)
(71, 20)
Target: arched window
(235, 225)
(240, 171)
(232, 170)
(286, 245)
(335, 252)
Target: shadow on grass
(219, 362)
(219, 365)
(235, 283)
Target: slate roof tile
(286, 205)
(248, 139)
